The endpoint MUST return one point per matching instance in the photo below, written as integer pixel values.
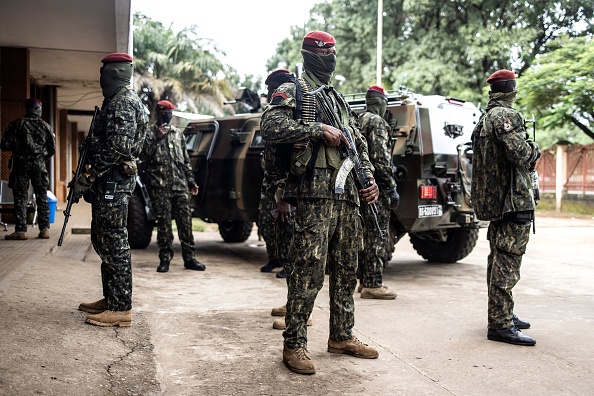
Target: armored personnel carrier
(431, 155)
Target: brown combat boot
(352, 347)
(297, 361)
(17, 236)
(111, 318)
(94, 307)
(379, 293)
(44, 233)
(279, 311)
(280, 324)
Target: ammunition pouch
(300, 158)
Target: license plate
(430, 211)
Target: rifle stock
(72, 198)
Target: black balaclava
(34, 110)
(321, 66)
(164, 117)
(115, 76)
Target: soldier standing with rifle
(502, 194)
(32, 143)
(167, 163)
(118, 133)
(314, 118)
(375, 130)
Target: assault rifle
(532, 169)
(82, 157)
(352, 160)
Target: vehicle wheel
(235, 231)
(433, 247)
(140, 229)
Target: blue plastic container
(53, 204)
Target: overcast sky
(247, 31)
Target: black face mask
(164, 117)
(114, 76)
(322, 66)
(35, 111)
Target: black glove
(394, 197)
(82, 185)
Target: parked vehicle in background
(432, 157)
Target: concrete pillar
(560, 174)
(14, 80)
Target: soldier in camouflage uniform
(118, 134)
(375, 130)
(32, 143)
(275, 160)
(502, 193)
(274, 179)
(327, 225)
(167, 164)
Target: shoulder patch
(281, 94)
(278, 97)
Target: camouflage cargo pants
(169, 206)
(36, 172)
(508, 242)
(372, 257)
(326, 233)
(283, 235)
(265, 220)
(109, 236)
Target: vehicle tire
(235, 231)
(140, 229)
(458, 244)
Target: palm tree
(181, 68)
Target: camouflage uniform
(265, 220)
(327, 226)
(276, 233)
(502, 193)
(32, 143)
(118, 134)
(372, 259)
(167, 163)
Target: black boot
(272, 264)
(163, 266)
(511, 335)
(281, 274)
(520, 324)
(195, 265)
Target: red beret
(274, 73)
(117, 57)
(165, 105)
(32, 101)
(501, 75)
(377, 88)
(318, 39)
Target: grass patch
(197, 225)
(568, 208)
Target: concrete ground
(210, 333)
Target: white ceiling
(67, 40)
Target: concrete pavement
(210, 333)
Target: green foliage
(559, 89)
(181, 68)
(435, 46)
